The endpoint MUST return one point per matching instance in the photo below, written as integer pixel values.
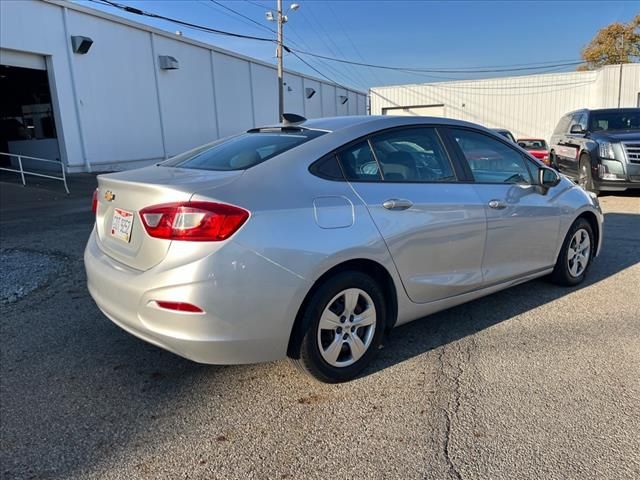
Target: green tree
(613, 44)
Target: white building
(528, 106)
(138, 95)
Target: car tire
(585, 175)
(340, 310)
(573, 263)
(553, 160)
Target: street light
(281, 19)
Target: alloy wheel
(347, 327)
(579, 253)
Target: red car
(536, 147)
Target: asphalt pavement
(535, 382)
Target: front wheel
(585, 176)
(342, 324)
(575, 255)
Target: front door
(433, 226)
(522, 221)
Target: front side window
(412, 155)
(563, 125)
(490, 160)
(579, 119)
(243, 151)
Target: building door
(27, 125)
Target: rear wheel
(585, 176)
(553, 160)
(342, 324)
(576, 254)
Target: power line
(433, 70)
(539, 66)
(144, 13)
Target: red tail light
(94, 201)
(179, 306)
(194, 221)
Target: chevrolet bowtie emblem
(109, 195)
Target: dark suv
(599, 148)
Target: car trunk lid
(126, 193)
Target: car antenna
(292, 119)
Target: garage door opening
(27, 125)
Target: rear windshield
(533, 144)
(620, 120)
(244, 151)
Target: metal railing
(23, 172)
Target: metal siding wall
(264, 82)
(130, 111)
(524, 104)
(233, 94)
(116, 90)
(189, 117)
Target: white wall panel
(528, 105)
(186, 96)
(265, 83)
(233, 94)
(342, 108)
(116, 91)
(293, 94)
(329, 108)
(313, 105)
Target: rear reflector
(179, 306)
(94, 201)
(193, 221)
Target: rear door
(522, 221)
(433, 225)
(569, 145)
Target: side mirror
(577, 128)
(547, 177)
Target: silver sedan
(312, 238)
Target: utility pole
(281, 64)
(281, 18)
(620, 73)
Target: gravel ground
(533, 382)
(23, 272)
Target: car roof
(602, 110)
(500, 130)
(531, 140)
(334, 124)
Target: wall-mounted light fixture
(81, 44)
(309, 92)
(167, 62)
(343, 99)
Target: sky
(416, 34)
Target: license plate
(122, 225)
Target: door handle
(397, 204)
(497, 204)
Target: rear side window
(359, 164)
(244, 151)
(412, 155)
(490, 160)
(563, 125)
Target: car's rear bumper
(234, 329)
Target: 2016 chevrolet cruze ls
(310, 239)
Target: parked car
(536, 147)
(311, 239)
(599, 148)
(505, 133)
